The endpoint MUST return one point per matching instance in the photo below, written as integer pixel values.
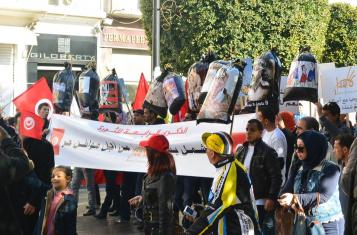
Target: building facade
(123, 44)
(38, 36)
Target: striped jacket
(231, 208)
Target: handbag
(304, 224)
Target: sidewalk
(91, 225)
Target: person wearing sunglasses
(309, 124)
(315, 184)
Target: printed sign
(340, 85)
(289, 106)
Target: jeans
(266, 221)
(88, 175)
(205, 186)
(335, 227)
(184, 191)
(97, 193)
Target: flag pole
(230, 133)
(2, 108)
(131, 116)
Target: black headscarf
(316, 147)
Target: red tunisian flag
(56, 139)
(37, 94)
(141, 92)
(31, 125)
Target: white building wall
(130, 66)
(65, 29)
(20, 69)
(75, 17)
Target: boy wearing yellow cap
(231, 208)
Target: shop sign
(117, 37)
(56, 48)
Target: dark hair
(112, 116)
(65, 169)
(41, 105)
(151, 111)
(160, 162)
(311, 123)
(11, 121)
(345, 140)
(333, 108)
(139, 111)
(268, 113)
(257, 123)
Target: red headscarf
(288, 118)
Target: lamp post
(156, 39)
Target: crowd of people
(288, 177)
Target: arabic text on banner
(90, 144)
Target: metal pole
(129, 110)
(231, 130)
(156, 39)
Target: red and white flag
(31, 125)
(56, 138)
(37, 94)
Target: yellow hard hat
(219, 142)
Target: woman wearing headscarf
(286, 123)
(314, 185)
(158, 188)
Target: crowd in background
(306, 165)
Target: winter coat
(65, 215)
(349, 186)
(264, 170)
(41, 153)
(14, 166)
(158, 194)
(231, 208)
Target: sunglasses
(299, 149)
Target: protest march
(245, 143)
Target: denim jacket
(327, 211)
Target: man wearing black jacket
(41, 153)
(263, 168)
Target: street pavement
(91, 225)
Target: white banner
(340, 85)
(90, 144)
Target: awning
(17, 35)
